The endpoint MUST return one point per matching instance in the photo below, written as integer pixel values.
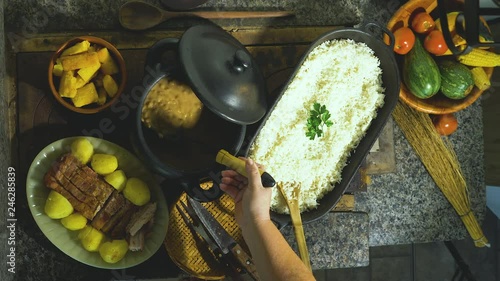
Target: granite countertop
(399, 208)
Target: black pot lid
(223, 74)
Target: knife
(231, 250)
(195, 228)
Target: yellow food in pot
(169, 106)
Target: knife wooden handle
(245, 260)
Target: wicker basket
(187, 252)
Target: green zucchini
(457, 80)
(420, 72)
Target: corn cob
(479, 57)
(481, 80)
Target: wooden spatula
(293, 206)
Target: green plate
(67, 240)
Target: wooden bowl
(438, 104)
(91, 108)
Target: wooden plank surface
(143, 40)
(42, 121)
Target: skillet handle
(192, 187)
(367, 28)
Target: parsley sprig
(318, 118)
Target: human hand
(252, 200)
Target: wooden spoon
(181, 5)
(293, 206)
(139, 15)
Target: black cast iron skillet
(391, 82)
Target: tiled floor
(427, 262)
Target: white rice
(346, 77)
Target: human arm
(273, 257)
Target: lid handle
(241, 61)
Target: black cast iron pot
(225, 78)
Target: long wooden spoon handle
(240, 14)
(301, 240)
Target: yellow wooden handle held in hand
(225, 158)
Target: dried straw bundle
(441, 163)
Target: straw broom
(441, 163)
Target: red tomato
(404, 40)
(422, 23)
(445, 124)
(434, 43)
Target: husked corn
(481, 79)
(479, 57)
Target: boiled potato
(75, 221)
(91, 238)
(57, 206)
(104, 164)
(113, 251)
(117, 179)
(137, 191)
(82, 149)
